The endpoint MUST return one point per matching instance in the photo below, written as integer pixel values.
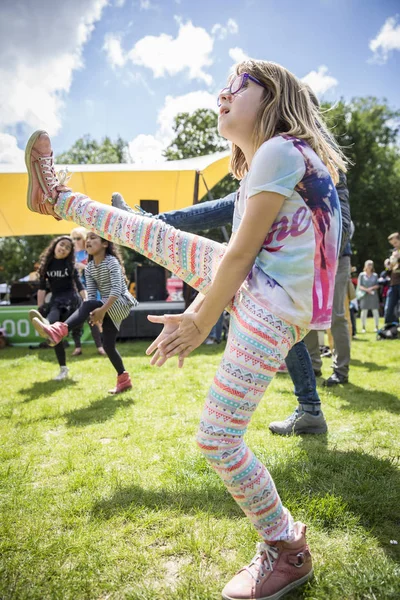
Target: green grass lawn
(106, 497)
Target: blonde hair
(81, 230)
(286, 107)
(367, 264)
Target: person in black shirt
(57, 267)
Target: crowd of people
(283, 278)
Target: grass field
(107, 497)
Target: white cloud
(9, 151)
(319, 81)
(187, 103)
(119, 3)
(145, 148)
(41, 48)
(387, 40)
(238, 55)
(221, 31)
(113, 49)
(165, 55)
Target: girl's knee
(216, 448)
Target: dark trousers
(61, 307)
(53, 316)
(78, 332)
(110, 332)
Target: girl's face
(95, 244)
(63, 249)
(238, 113)
(78, 240)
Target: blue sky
(126, 67)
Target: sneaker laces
(293, 417)
(270, 554)
(53, 180)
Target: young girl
(78, 235)
(104, 274)
(276, 276)
(368, 283)
(57, 266)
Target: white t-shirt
(294, 272)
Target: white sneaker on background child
(63, 374)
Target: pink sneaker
(53, 333)
(123, 383)
(274, 571)
(43, 185)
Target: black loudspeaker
(150, 283)
(137, 325)
(24, 292)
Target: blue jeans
(220, 212)
(205, 215)
(216, 331)
(393, 298)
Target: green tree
(87, 151)
(195, 135)
(367, 129)
(18, 255)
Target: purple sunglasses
(236, 85)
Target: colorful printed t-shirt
(294, 272)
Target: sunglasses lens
(236, 84)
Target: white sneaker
(63, 374)
(363, 331)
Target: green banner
(19, 330)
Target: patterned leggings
(257, 344)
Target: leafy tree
(18, 255)
(195, 135)
(87, 151)
(367, 129)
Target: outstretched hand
(170, 326)
(180, 336)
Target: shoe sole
(36, 314)
(281, 592)
(38, 325)
(319, 431)
(120, 391)
(28, 150)
(118, 201)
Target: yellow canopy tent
(174, 184)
